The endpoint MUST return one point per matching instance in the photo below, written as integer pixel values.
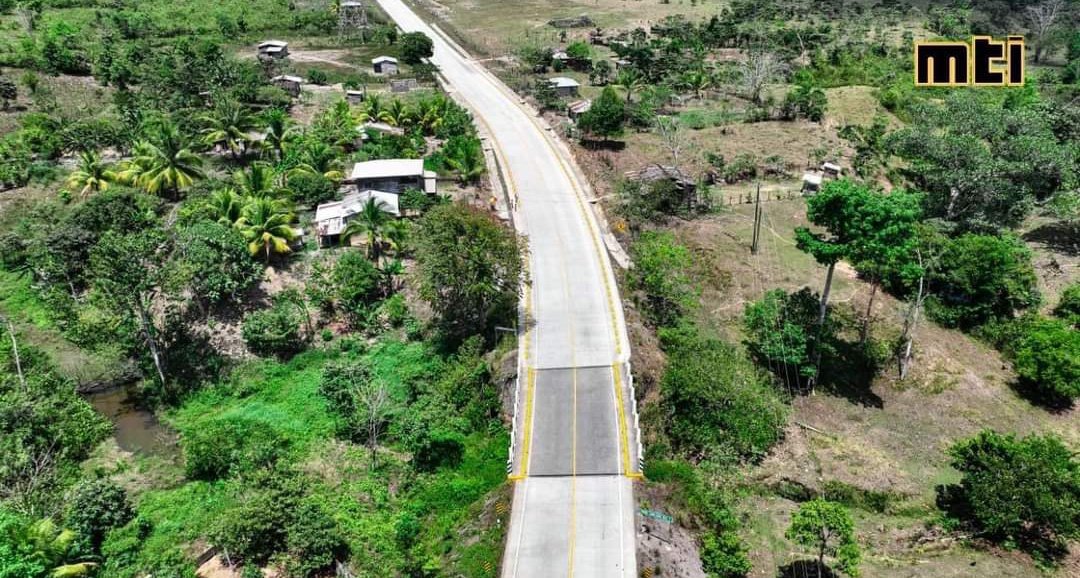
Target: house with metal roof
(384, 65)
(564, 86)
(393, 176)
(332, 218)
(273, 49)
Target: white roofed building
(393, 176)
(564, 86)
(331, 218)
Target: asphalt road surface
(574, 452)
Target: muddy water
(135, 428)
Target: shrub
(225, 447)
(1048, 361)
(313, 541)
(742, 167)
(356, 283)
(214, 262)
(273, 332)
(415, 46)
(782, 331)
(318, 76)
(1020, 490)
(659, 274)
(717, 398)
(311, 189)
(94, 508)
(1068, 308)
(723, 555)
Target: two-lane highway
(575, 452)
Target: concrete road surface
(575, 450)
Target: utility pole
(757, 221)
(15, 351)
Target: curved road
(575, 452)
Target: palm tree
(164, 163)
(92, 175)
(698, 81)
(319, 158)
(398, 114)
(50, 546)
(256, 181)
(372, 110)
(280, 130)
(228, 125)
(226, 206)
(630, 80)
(371, 221)
(468, 161)
(430, 113)
(397, 235)
(266, 225)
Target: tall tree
(229, 125)
(370, 221)
(1043, 18)
(280, 130)
(226, 206)
(835, 209)
(163, 163)
(631, 80)
(267, 226)
(828, 528)
(606, 117)
(258, 180)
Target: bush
(659, 275)
(93, 509)
(1068, 308)
(213, 260)
(356, 283)
(1048, 361)
(717, 399)
(273, 332)
(416, 46)
(225, 447)
(743, 167)
(318, 77)
(781, 333)
(723, 555)
(311, 189)
(313, 541)
(1018, 490)
(979, 278)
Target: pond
(135, 427)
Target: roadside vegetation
(331, 407)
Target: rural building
(577, 108)
(355, 96)
(290, 84)
(403, 85)
(392, 176)
(275, 49)
(657, 172)
(331, 218)
(384, 65)
(565, 86)
(831, 170)
(811, 183)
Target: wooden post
(757, 222)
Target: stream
(136, 428)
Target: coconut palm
(92, 175)
(280, 130)
(372, 110)
(467, 160)
(398, 114)
(163, 163)
(319, 158)
(630, 80)
(698, 81)
(396, 234)
(267, 226)
(258, 180)
(370, 221)
(226, 206)
(50, 546)
(430, 113)
(228, 125)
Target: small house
(656, 173)
(290, 84)
(577, 108)
(831, 170)
(403, 85)
(811, 183)
(392, 176)
(564, 86)
(332, 218)
(273, 49)
(384, 65)
(355, 96)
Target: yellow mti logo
(985, 62)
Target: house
(355, 96)
(392, 176)
(403, 85)
(332, 218)
(564, 86)
(577, 108)
(384, 65)
(831, 170)
(290, 84)
(275, 49)
(811, 183)
(657, 172)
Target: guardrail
(637, 421)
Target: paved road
(575, 452)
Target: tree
(1048, 361)
(834, 208)
(757, 70)
(826, 527)
(806, 100)
(370, 221)
(415, 47)
(318, 158)
(8, 92)
(1043, 18)
(94, 508)
(717, 399)
(225, 206)
(979, 278)
(126, 272)
(698, 81)
(355, 284)
(212, 260)
(92, 175)
(313, 541)
(469, 269)
(631, 80)
(783, 334)
(600, 74)
(606, 117)
(280, 130)
(466, 157)
(671, 131)
(1024, 490)
(45, 550)
(361, 397)
(579, 51)
(257, 181)
(228, 125)
(659, 275)
(1068, 307)
(163, 163)
(267, 226)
